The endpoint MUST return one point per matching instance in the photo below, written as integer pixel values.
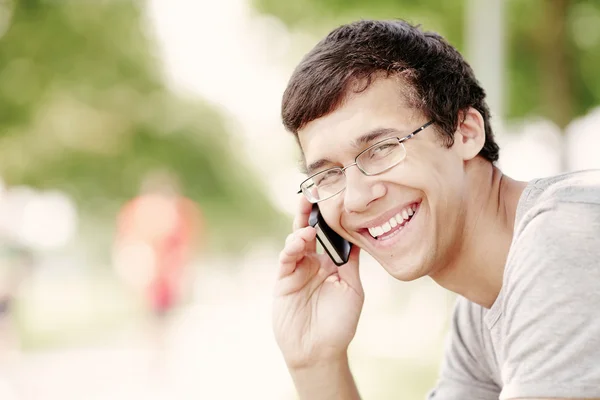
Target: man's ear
(469, 138)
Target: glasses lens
(382, 156)
(324, 185)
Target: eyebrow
(372, 135)
(356, 143)
(316, 165)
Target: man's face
(428, 183)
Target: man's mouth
(395, 223)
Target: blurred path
(221, 347)
(212, 352)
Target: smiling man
(400, 158)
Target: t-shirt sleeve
(551, 308)
(464, 374)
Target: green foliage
(537, 81)
(321, 16)
(83, 108)
(537, 33)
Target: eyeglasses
(374, 160)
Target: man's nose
(361, 190)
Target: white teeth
(386, 227)
(377, 231)
(396, 220)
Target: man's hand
(317, 305)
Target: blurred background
(146, 185)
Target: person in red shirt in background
(158, 234)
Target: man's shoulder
(572, 187)
(559, 202)
(550, 291)
(558, 229)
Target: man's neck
(477, 269)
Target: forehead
(381, 105)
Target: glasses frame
(400, 140)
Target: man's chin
(403, 271)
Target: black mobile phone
(336, 247)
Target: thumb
(349, 272)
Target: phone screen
(335, 246)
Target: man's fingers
(309, 235)
(293, 282)
(295, 248)
(289, 238)
(304, 209)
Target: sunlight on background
(239, 60)
(43, 220)
(81, 249)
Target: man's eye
(326, 178)
(382, 150)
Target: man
(399, 150)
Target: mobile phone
(336, 247)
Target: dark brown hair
(441, 84)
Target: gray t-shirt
(541, 337)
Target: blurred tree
(553, 45)
(83, 108)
